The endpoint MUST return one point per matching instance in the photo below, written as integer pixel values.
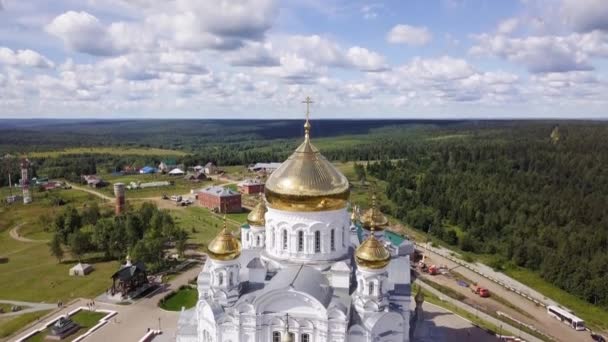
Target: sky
(257, 59)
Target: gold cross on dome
(308, 102)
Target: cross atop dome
(308, 102)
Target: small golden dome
(374, 217)
(354, 215)
(224, 246)
(256, 216)
(307, 181)
(372, 254)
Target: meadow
(118, 151)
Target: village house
(220, 199)
(93, 181)
(266, 168)
(251, 186)
(167, 165)
(210, 169)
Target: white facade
(296, 266)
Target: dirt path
(14, 233)
(30, 307)
(92, 192)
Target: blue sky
(260, 58)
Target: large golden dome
(256, 216)
(372, 254)
(374, 217)
(307, 181)
(224, 246)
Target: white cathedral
(304, 270)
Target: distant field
(108, 150)
(180, 186)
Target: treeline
(515, 193)
(145, 234)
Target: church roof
(128, 272)
(303, 279)
(307, 181)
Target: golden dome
(224, 246)
(374, 217)
(372, 254)
(354, 215)
(307, 181)
(256, 216)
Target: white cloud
(366, 60)
(542, 53)
(508, 26)
(405, 34)
(26, 57)
(83, 32)
(586, 15)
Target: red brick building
(251, 186)
(220, 199)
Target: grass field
(180, 185)
(9, 326)
(31, 273)
(108, 150)
(203, 225)
(85, 319)
(184, 297)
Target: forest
(534, 197)
(525, 193)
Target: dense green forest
(528, 199)
(520, 191)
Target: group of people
(91, 305)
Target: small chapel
(308, 267)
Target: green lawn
(205, 224)
(9, 326)
(180, 185)
(85, 319)
(108, 150)
(184, 297)
(31, 273)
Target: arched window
(300, 241)
(247, 236)
(371, 288)
(304, 338)
(360, 285)
(230, 282)
(220, 279)
(284, 239)
(276, 336)
(272, 238)
(257, 241)
(332, 240)
(343, 236)
(317, 241)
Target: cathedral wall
(307, 236)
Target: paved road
(32, 307)
(132, 321)
(441, 325)
(481, 315)
(489, 272)
(545, 323)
